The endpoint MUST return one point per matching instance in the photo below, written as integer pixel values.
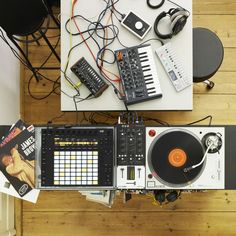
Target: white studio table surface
(108, 101)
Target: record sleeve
(13, 132)
(17, 164)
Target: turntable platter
(171, 152)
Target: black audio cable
(161, 2)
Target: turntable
(185, 158)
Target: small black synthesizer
(87, 75)
(138, 74)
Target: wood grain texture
(214, 7)
(18, 210)
(220, 201)
(123, 223)
(223, 25)
(196, 214)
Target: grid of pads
(76, 168)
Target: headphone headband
(156, 23)
(178, 19)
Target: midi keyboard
(138, 74)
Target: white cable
(203, 159)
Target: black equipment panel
(106, 146)
(81, 156)
(230, 157)
(136, 25)
(87, 75)
(130, 144)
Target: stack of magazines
(17, 162)
(103, 197)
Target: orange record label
(177, 157)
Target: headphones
(178, 17)
(164, 197)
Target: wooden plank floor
(210, 213)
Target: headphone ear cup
(160, 196)
(178, 24)
(172, 196)
(178, 20)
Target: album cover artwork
(17, 163)
(13, 132)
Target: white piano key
(143, 49)
(145, 62)
(153, 71)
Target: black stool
(208, 54)
(24, 18)
(54, 3)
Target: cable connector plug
(123, 16)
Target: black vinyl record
(171, 152)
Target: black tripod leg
(26, 58)
(36, 40)
(50, 46)
(50, 12)
(55, 20)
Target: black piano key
(150, 88)
(151, 82)
(143, 60)
(146, 70)
(151, 92)
(142, 53)
(148, 76)
(145, 66)
(143, 57)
